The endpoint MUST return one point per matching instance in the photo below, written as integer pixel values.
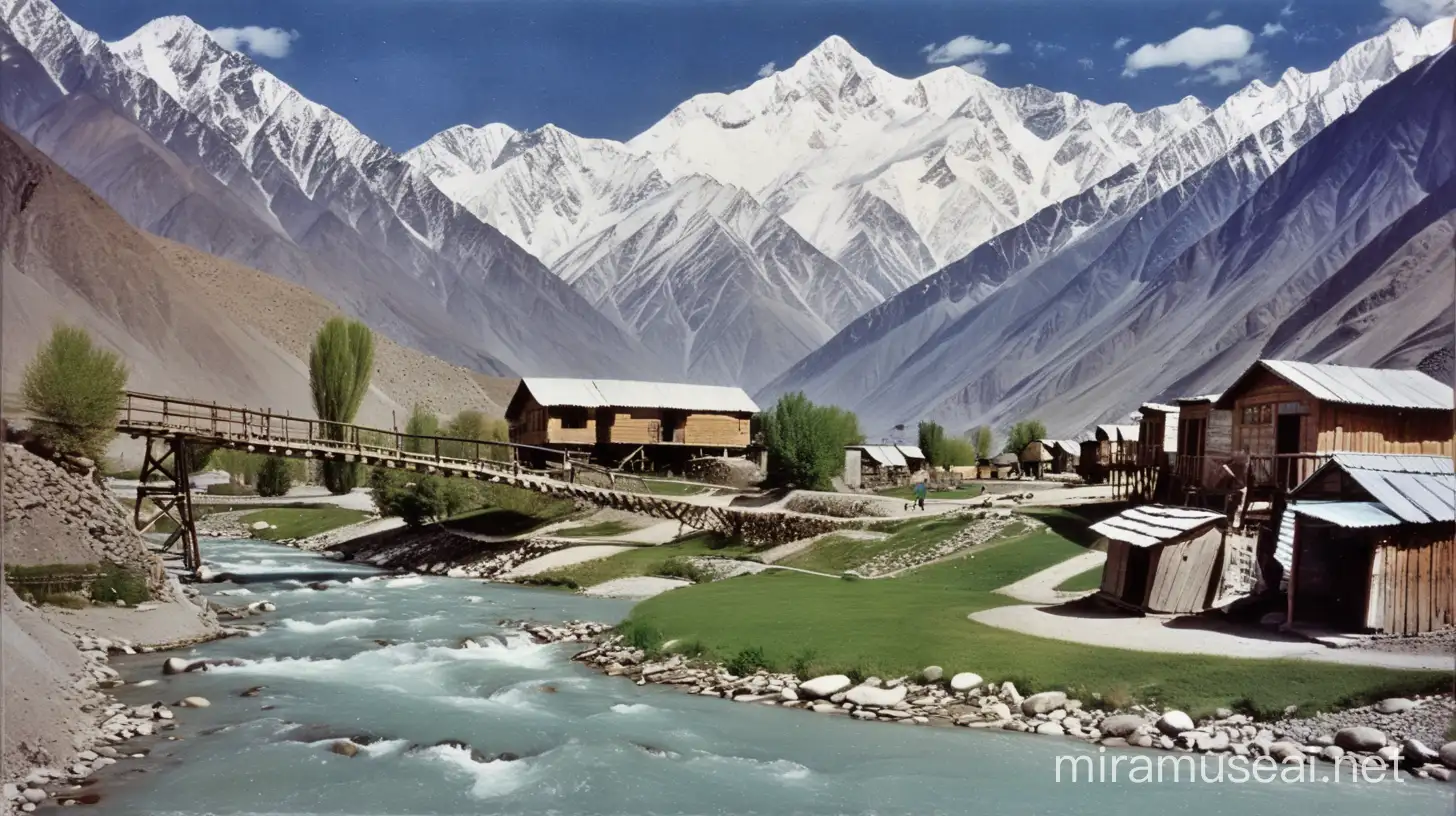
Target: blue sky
(403, 70)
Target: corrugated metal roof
(550, 391)
(1004, 459)
(1067, 446)
(1154, 524)
(1284, 548)
(911, 451)
(1119, 433)
(887, 455)
(1416, 489)
(1160, 407)
(1347, 514)
(1382, 387)
(1198, 400)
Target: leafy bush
(806, 441)
(684, 569)
(422, 422)
(120, 584)
(549, 581)
(747, 661)
(475, 425)
(339, 367)
(955, 453)
(275, 478)
(73, 390)
(423, 499)
(640, 636)
(70, 585)
(802, 664)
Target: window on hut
(573, 417)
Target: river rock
(825, 686)
(1448, 754)
(1418, 753)
(1360, 738)
(174, 665)
(259, 525)
(1010, 694)
(195, 702)
(1331, 753)
(999, 710)
(788, 695)
(1394, 705)
(965, 681)
(1051, 729)
(1043, 702)
(34, 795)
(1174, 723)
(1122, 725)
(344, 748)
(932, 674)
(1285, 752)
(871, 696)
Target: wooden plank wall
(555, 432)
(712, 430)
(1182, 574)
(1114, 569)
(638, 427)
(1416, 582)
(1362, 429)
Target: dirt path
(562, 558)
(635, 588)
(1041, 588)
(1150, 634)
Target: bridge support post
(164, 481)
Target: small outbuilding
(1043, 456)
(1369, 545)
(879, 465)
(1164, 560)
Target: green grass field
(601, 529)
(837, 553)
(1082, 581)
(660, 487)
(301, 522)
(907, 492)
(641, 561)
(896, 626)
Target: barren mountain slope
(187, 323)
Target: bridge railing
(214, 422)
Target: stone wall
(55, 516)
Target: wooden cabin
(1110, 447)
(1157, 440)
(615, 421)
(1369, 545)
(1162, 560)
(883, 465)
(1205, 445)
(1290, 417)
(1043, 456)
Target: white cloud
(1041, 49)
(1121, 43)
(1087, 63)
(1288, 10)
(256, 40)
(1214, 15)
(1419, 12)
(1194, 48)
(1230, 73)
(961, 49)
(1272, 30)
(766, 69)
(975, 66)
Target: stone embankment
(1386, 736)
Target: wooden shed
(1205, 444)
(1043, 456)
(1369, 544)
(618, 420)
(1164, 560)
(1110, 447)
(1290, 417)
(1157, 439)
(885, 465)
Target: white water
(382, 658)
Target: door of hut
(1331, 577)
(1287, 436)
(1135, 584)
(672, 426)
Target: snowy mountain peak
(460, 149)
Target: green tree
(806, 442)
(955, 453)
(930, 437)
(275, 477)
(339, 368)
(983, 440)
(422, 422)
(1024, 433)
(73, 391)
(422, 500)
(470, 424)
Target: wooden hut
(1205, 446)
(1369, 544)
(1043, 456)
(1157, 440)
(880, 465)
(1111, 447)
(665, 424)
(1164, 560)
(1289, 417)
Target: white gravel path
(1151, 634)
(562, 558)
(636, 588)
(1041, 588)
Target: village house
(877, 466)
(1368, 544)
(1169, 560)
(656, 426)
(1111, 446)
(1205, 445)
(1289, 418)
(1157, 440)
(1043, 456)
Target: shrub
(548, 580)
(422, 422)
(640, 636)
(424, 499)
(339, 367)
(275, 477)
(73, 391)
(120, 584)
(955, 453)
(802, 664)
(684, 569)
(747, 661)
(475, 425)
(806, 441)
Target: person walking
(920, 495)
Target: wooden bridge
(172, 427)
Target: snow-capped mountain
(247, 168)
(545, 188)
(707, 271)
(1102, 301)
